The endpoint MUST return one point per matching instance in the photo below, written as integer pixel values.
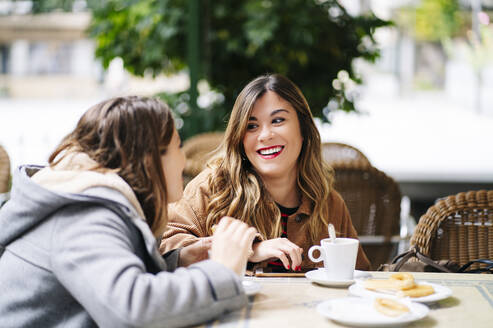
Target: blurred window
(49, 58)
(4, 58)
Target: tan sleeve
(347, 229)
(186, 217)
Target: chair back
(458, 228)
(374, 202)
(334, 152)
(4, 171)
(198, 150)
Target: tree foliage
(310, 41)
(437, 19)
(434, 20)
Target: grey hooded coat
(88, 259)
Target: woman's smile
(270, 152)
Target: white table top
(291, 302)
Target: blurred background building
(48, 56)
(423, 115)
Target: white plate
(318, 276)
(251, 287)
(441, 292)
(359, 312)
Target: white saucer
(441, 292)
(251, 287)
(343, 310)
(318, 276)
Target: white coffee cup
(339, 257)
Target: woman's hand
(232, 244)
(279, 248)
(195, 252)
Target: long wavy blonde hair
(236, 188)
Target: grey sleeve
(171, 258)
(94, 258)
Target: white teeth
(270, 151)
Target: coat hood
(37, 192)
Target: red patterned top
(277, 265)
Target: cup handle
(316, 248)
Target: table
(291, 302)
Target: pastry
(396, 282)
(401, 284)
(405, 280)
(417, 291)
(390, 307)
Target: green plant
(310, 41)
(432, 20)
(437, 19)
(206, 118)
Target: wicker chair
(4, 175)
(372, 197)
(374, 202)
(198, 149)
(335, 152)
(458, 227)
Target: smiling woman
(270, 175)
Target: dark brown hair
(127, 135)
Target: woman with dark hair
(78, 238)
(269, 174)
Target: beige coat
(187, 222)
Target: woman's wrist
(253, 252)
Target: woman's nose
(265, 134)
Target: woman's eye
(251, 126)
(278, 120)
